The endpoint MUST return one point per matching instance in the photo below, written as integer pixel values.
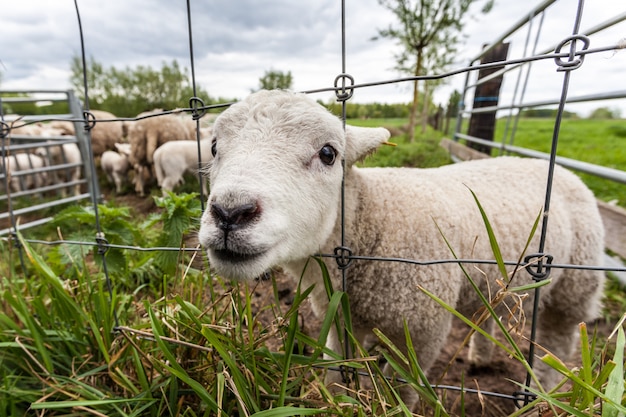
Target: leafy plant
(76, 223)
(179, 213)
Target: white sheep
(276, 196)
(33, 129)
(116, 165)
(148, 133)
(173, 159)
(14, 164)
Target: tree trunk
(413, 113)
(425, 107)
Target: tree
(273, 80)
(428, 33)
(131, 91)
(452, 108)
(604, 113)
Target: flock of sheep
(118, 146)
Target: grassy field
(601, 142)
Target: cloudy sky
(236, 41)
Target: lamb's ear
(362, 141)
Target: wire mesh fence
(23, 184)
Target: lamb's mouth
(226, 255)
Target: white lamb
(275, 200)
(14, 164)
(173, 159)
(116, 165)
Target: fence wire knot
(4, 129)
(341, 92)
(523, 397)
(348, 374)
(197, 103)
(90, 120)
(103, 244)
(538, 265)
(573, 61)
(343, 256)
(15, 239)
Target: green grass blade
(553, 401)
(556, 364)
(289, 345)
(290, 412)
(226, 355)
(470, 323)
(615, 386)
(55, 405)
(586, 370)
(495, 247)
(172, 362)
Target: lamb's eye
(327, 154)
(214, 148)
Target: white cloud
(235, 42)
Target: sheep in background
(276, 196)
(173, 159)
(104, 135)
(33, 129)
(116, 165)
(60, 154)
(13, 164)
(145, 135)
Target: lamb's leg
(481, 348)
(152, 139)
(117, 179)
(76, 177)
(428, 339)
(333, 379)
(169, 183)
(573, 299)
(558, 335)
(139, 186)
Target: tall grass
(197, 346)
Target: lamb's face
(275, 183)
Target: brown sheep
(148, 133)
(104, 135)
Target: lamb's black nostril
(233, 218)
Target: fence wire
(567, 57)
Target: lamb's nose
(233, 218)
